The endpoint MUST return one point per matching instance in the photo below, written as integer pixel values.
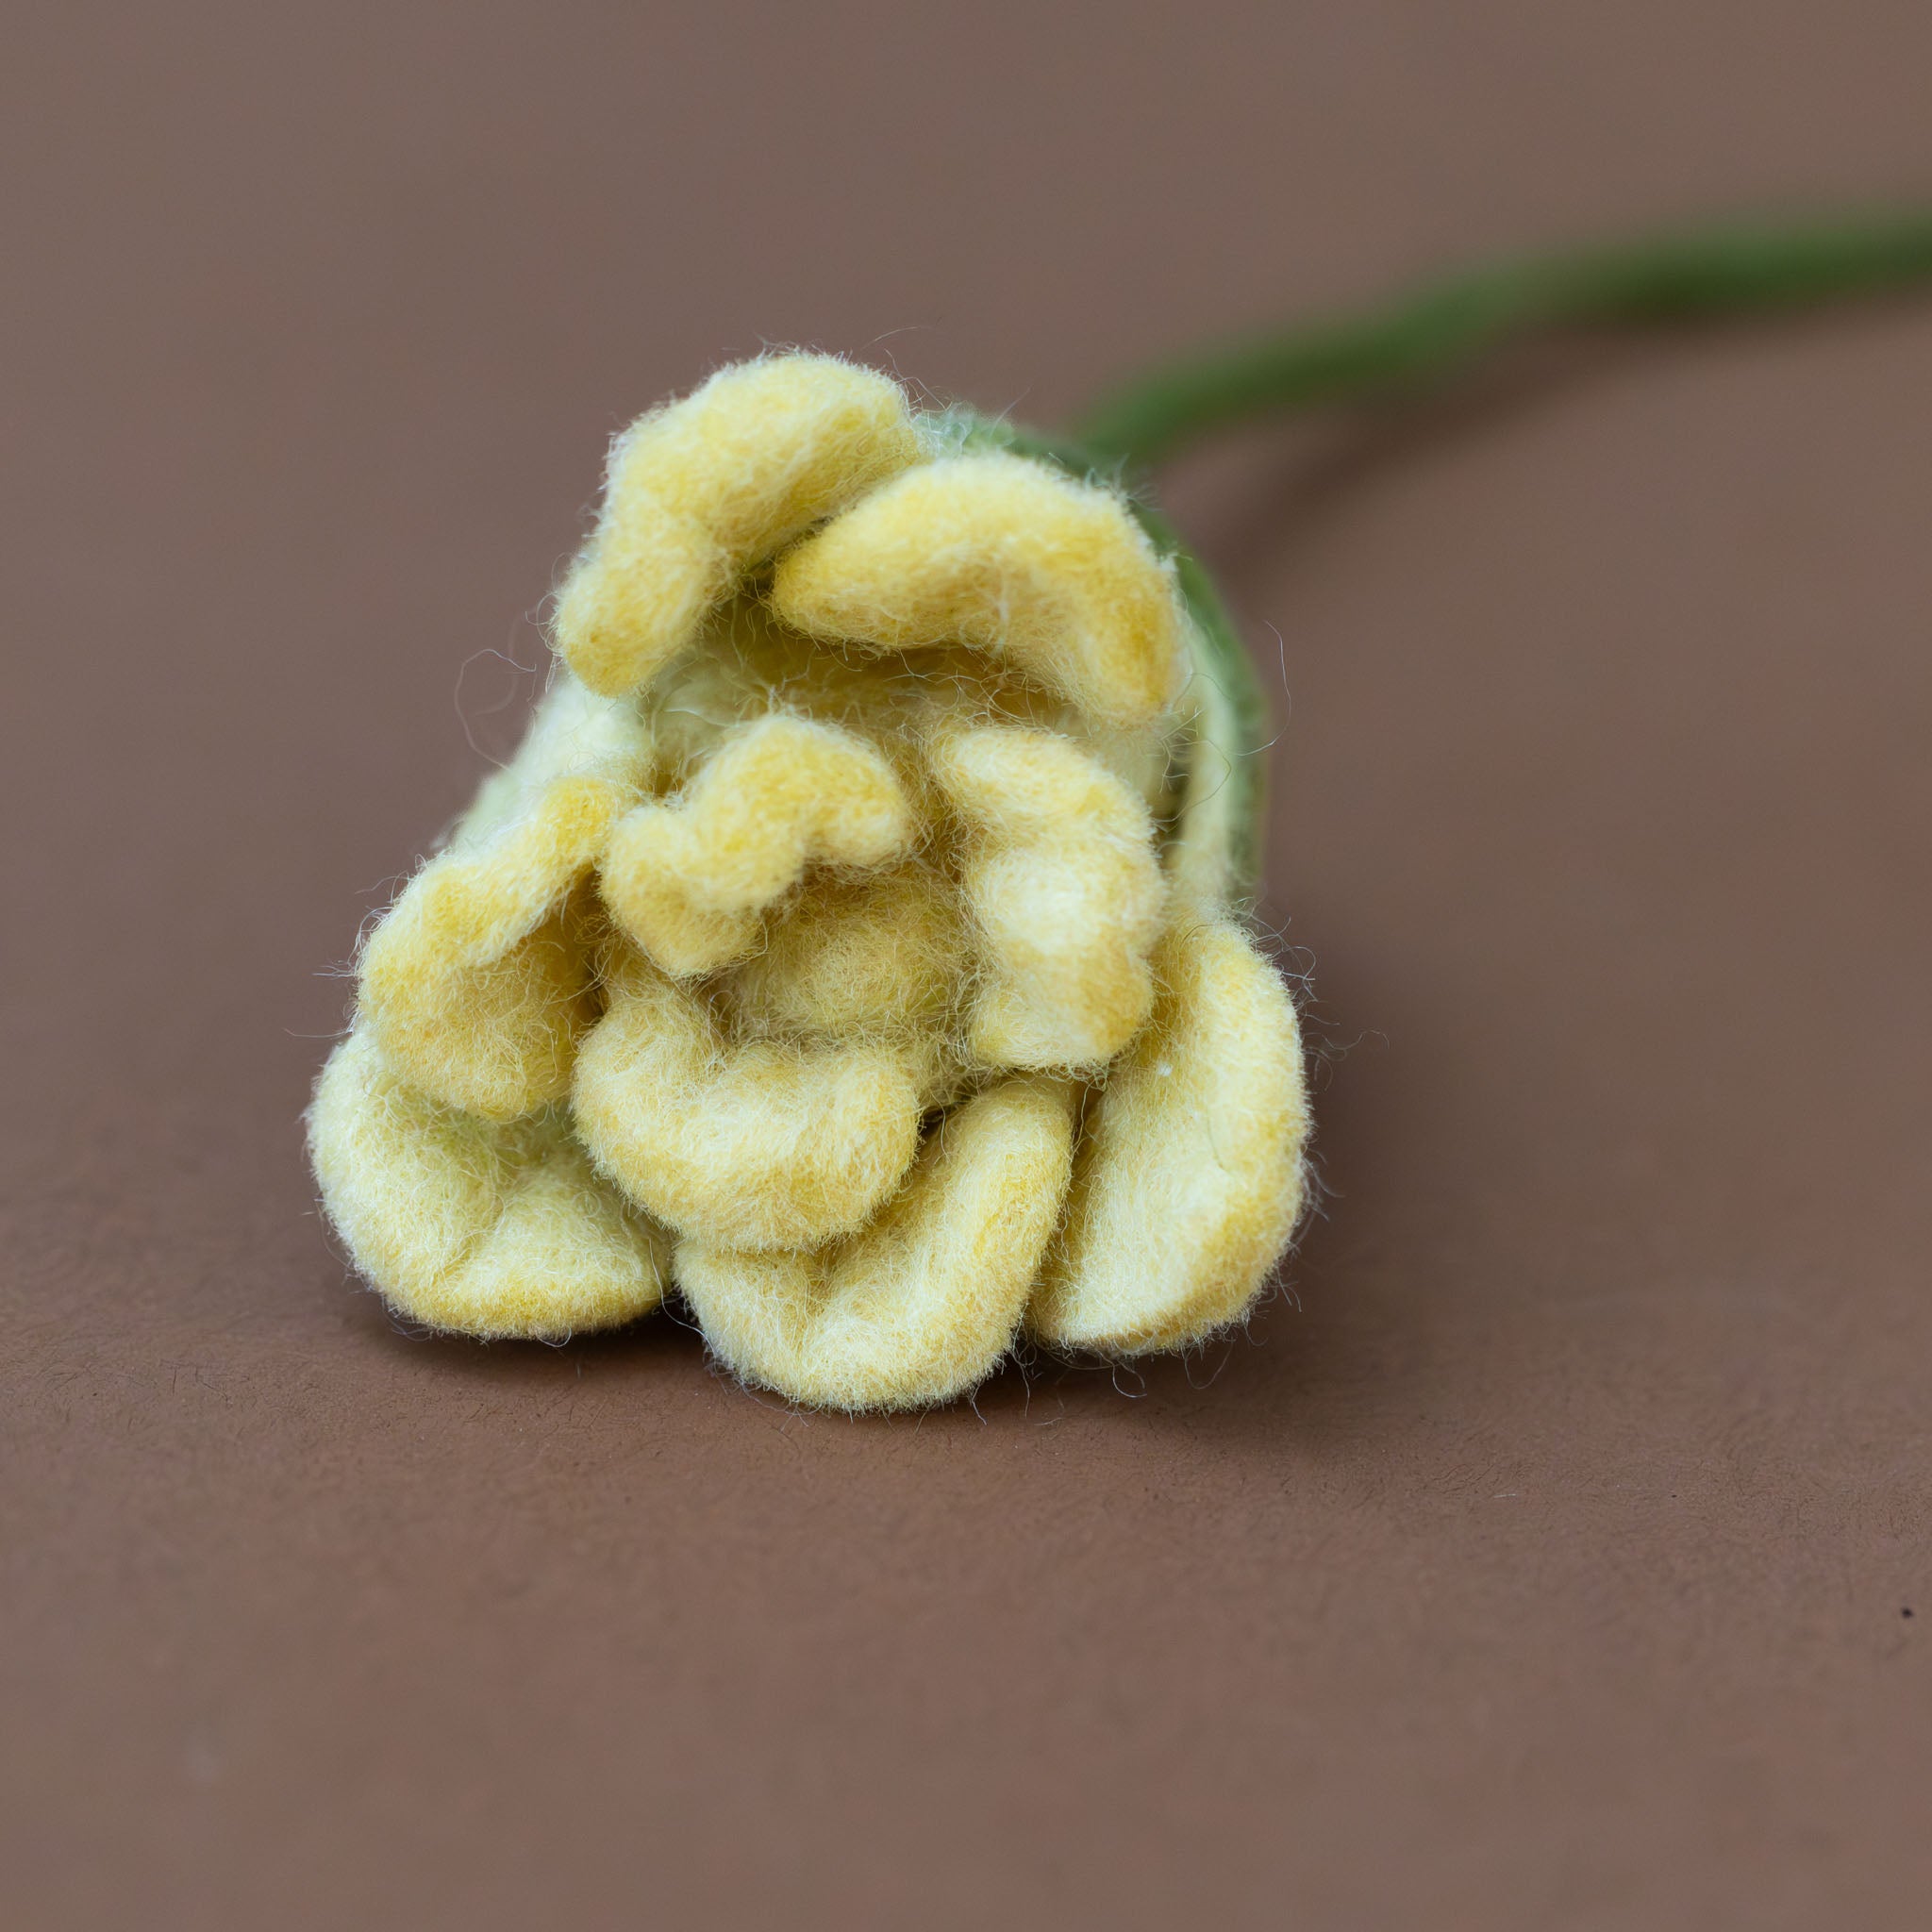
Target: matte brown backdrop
(1544, 1560)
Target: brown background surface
(1544, 1561)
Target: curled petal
(498, 1038)
(472, 1226)
(687, 880)
(758, 1146)
(923, 1303)
(702, 490)
(1065, 890)
(1190, 1181)
(1010, 557)
(478, 981)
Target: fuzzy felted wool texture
(853, 944)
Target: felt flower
(855, 941)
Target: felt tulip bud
(857, 941)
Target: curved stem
(1431, 336)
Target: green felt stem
(1426, 339)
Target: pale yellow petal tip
(471, 1227)
(705, 489)
(1011, 557)
(1191, 1179)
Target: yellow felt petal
(1190, 1181)
(688, 879)
(919, 1307)
(758, 1146)
(466, 1225)
(478, 979)
(497, 1038)
(1065, 891)
(1011, 557)
(702, 490)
